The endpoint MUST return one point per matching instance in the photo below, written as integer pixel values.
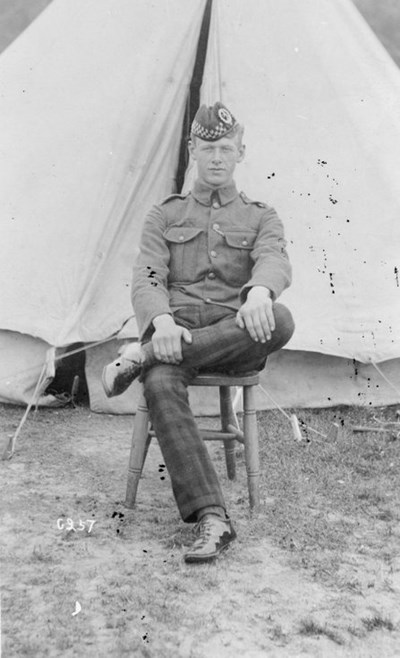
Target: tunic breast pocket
(184, 243)
(238, 248)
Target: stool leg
(228, 418)
(250, 431)
(139, 446)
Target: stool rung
(239, 436)
(233, 433)
(217, 435)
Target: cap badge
(225, 116)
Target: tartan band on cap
(212, 123)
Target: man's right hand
(167, 339)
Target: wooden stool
(229, 433)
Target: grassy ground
(316, 573)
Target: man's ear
(242, 153)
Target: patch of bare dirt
(124, 568)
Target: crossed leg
(221, 346)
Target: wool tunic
(209, 246)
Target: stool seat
(229, 432)
(220, 379)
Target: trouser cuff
(189, 511)
(212, 509)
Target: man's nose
(217, 155)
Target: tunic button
(181, 237)
(245, 243)
(208, 300)
(213, 254)
(216, 226)
(216, 204)
(211, 275)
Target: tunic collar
(206, 195)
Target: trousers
(218, 345)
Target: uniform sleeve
(271, 263)
(149, 291)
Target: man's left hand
(256, 314)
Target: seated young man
(212, 264)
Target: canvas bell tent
(93, 107)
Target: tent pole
(193, 97)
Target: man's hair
(236, 133)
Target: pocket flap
(181, 234)
(240, 239)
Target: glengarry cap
(212, 123)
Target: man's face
(216, 161)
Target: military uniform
(208, 247)
(200, 255)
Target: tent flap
(320, 99)
(92, 103)
(91, 114)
